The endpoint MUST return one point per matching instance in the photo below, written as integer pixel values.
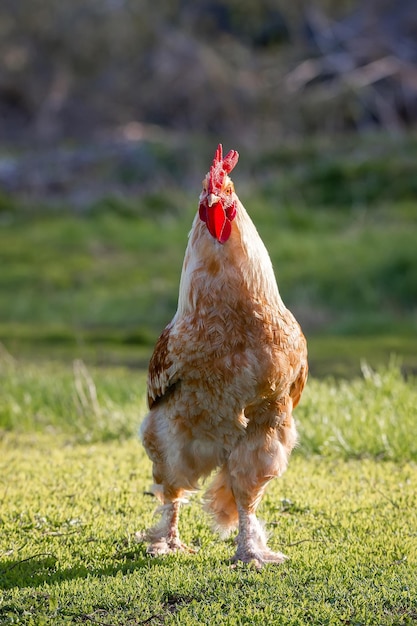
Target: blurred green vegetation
(339, 220)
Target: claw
(165, 545)
(258, 558)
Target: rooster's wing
(163, 374)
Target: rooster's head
(217, 206)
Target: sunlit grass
(73, 400)
(68, 550)
(372, 416)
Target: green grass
(72, 483)
(69, 400)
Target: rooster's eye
(228, 190)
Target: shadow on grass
(44, 568)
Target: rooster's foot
(167, 545)
(258, 557)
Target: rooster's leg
(259, 457)
(251, 541)
(164, 538)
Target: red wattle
(226, 232)
(217, 223)
(202, 212)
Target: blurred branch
(356, 78)
(361, 57)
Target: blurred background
(110, 112)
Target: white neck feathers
(241, 263)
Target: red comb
(221, 166)
(218, 156)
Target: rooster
(224, 377)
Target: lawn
(73, 485)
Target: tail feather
(220, 502)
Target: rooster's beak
(212, 199)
